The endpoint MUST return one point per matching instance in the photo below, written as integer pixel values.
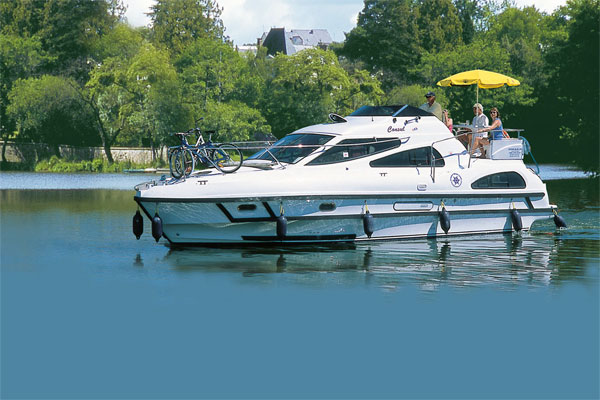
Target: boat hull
(323, 219)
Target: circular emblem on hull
(455, 180)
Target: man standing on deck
(432, 107)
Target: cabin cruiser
(381, 173)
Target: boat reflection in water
(501, 261)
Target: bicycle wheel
(187, 162)
(227, 158)
(175, 163)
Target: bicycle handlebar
(196, 131)
(189, 132)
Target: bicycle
(226, 157)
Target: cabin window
(420, 157)
(502, 180)
(246, 207)
(351, 149)
(292, 148)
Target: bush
(96, 165)
(16, 166)
(55, 164)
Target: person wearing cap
(432, 106)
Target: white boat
(382, 173)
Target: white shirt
(480, 121)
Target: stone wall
(33, 152)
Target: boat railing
(434, 160)
(456, 136)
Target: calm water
(87, 311)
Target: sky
(246, 20)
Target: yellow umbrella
(483, 79)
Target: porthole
(246, 207)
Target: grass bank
(55, 164)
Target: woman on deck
(495, 128)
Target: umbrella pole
(477, 97)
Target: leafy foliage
(385, 39)
(234, 121)
(67, 29)
(307, 86)
(19, 58)
(55, 164)
(177, 23)
(72, 72)
(578, 83)
(414, 95)
(219, 85)
(439, 25)
(49, 110)
(477, 55)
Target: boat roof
(378, 120)
(403, 110)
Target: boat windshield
(292, 148)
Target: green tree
(364, 89)
(439, 25)
(414, 95)
(385, 39)
(120, 41)
(215, 78)
(300, 90)
(522, 33)
(157, 107)
(213, 70)
(136, 100)
(234, 121)
(106, 92)
(49, 110)
(253, 87)
(177, 23)
(19, 58)
(21, 17)
(477, 55)
(107, 96)
(467, 11)
(577, 83)
(67, 28)
(308, 85)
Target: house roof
(290, 42)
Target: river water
(87, 311)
